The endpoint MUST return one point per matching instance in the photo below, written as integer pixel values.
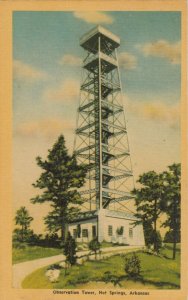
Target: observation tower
(101, 142)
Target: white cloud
(48, 128)
(94, 17)
(70, 60)
(67, 91)
(127, 61)
(163, 49)
(155, 110)
(26, 72)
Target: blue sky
(41, 39)
(47, 72)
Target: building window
(74, 233)
(130, 232)
(120, 230)
(94, 232)
(84, 233)
(110, 230)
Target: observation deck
(89, 41)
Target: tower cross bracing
(101, 139)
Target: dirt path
(21, 270)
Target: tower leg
(101, 221)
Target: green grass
(156, 272)
(33, 252)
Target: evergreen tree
(23, 219)
(70, 249)
(59, 181)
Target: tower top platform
(89, 40)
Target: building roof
(89, 39)
(88, 215)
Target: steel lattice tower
(101, 136)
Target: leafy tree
(23, 219)
(70, 249)
(59, 181)
(95, 246)
(149, 200)
(172, 190)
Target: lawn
(156, 273)
(33, 252)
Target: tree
(148, 232)
(149, 200)
(172, 190)
(23, 219)
(157, 240)
(59, 181)
(70, 249)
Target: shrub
(110, 278)
(94, 245)
(132, 266)
(28, 237)
(169, 238)
(54, 267)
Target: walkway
(21, 270)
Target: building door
(94, 232)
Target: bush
(132, 266)
(110, 278)
(29, 237)
(54, 267)
(94, 245)
(51, 240)
(169, 238)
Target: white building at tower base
(110, 226)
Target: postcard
(93, 150)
